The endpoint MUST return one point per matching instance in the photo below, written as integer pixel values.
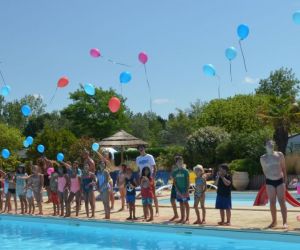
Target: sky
(40, 41)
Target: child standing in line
(147, 187)
(29, 197)
(75, 190)
(88, 181)
(173, 195)
(63, 183)
(10, 182)
(54, 192)
(1, 192)
(121, 185)
(103, 185)
(20, 187)
(223, 201)
(182, 183)
(199, 195)
(130, 193)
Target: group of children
(66, 182)
(181, 192)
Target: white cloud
(249, 79)
(161, 101)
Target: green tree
(55, 141)
(147, 126)
(11, 139)
(90, 115)
(234, 114)
(202, 144)
(281, 114)
(281, 83)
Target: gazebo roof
(122, 138)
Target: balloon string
(2, 77)
(219, 86)
(52, 98)
(240, 43)
(149, 87)
(114, 62)
(230, 70)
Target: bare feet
(221, 223)
(285, 226)
(180, 221)
(129, 218)
(174, 218)
(228, 224)
(134, 218)
(150, 219)
(203, 222)
(272, 225)
(197, 222)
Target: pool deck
(256, 218)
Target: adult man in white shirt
(147, 160)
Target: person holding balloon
(44, 164)
(87, 160)
(88, 181)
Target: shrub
(246, 165)
(201, 145)
(166, 159)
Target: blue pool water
(33, 233)
(239, 199)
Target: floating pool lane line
(262, 198)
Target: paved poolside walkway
(251, 218)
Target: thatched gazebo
(122, 139)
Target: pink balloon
(95, 52)
(50, 171)
(143, 58)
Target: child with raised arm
(75, 188)
(130, 193)
(199, 195)
(121, 185)
(37, 183)
(54, 191)
(103, 186)
(10, 182)
(63, 184)
(223, 201)
(20, 187)
(88, 181)
(147, 187)
(182, 183)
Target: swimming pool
(239, 199)
(26, 233)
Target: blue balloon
(25, 144)
(125, 77)
(5, 153)
(209, 70)
(5, 90)
(95, 146)
(26, 110)
(41, 148)
(89, 89)
(296, 17)
(60, 157)
(243, 31)
(230, 53)
(29, 140)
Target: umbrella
(122, 139)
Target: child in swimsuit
(54, 192)
(147, 187)
(121, 185)
(223, 201)
(10, 183)
(75, 189)
(29, 197)
(130, 193)
(173, 195)
(63, 184)
(199, 195)
(88, 181)
(20, 187)
(1, 192)
(37, 181)
(103, 187)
